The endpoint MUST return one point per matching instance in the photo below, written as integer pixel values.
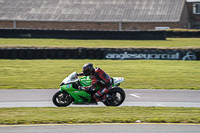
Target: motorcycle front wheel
(117, 97)
(62, 99)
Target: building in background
(100, 14)
(194, 11)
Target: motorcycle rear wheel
(62, 99)
(118, 94)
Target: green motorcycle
(69, 92)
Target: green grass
(31, 74)
(169, 43)
(73, 115)
(138, 74)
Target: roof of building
(193, 0)
(92, 10)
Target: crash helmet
(88, 69)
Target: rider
(99, 78)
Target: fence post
(120, 25)
(14, 24)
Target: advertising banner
(148, 55)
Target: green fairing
(86, 81)
(80, 96)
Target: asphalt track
(134, 97)
(103, 128)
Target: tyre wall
(181, 34)
(100, 53)
(92, 34)
(83, 34)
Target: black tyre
(118, 96)
(62, 99)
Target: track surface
(103, 128)
(134, 97)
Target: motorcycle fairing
(81, 96)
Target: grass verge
(72, 115)
(169, 43)
(138, 74)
